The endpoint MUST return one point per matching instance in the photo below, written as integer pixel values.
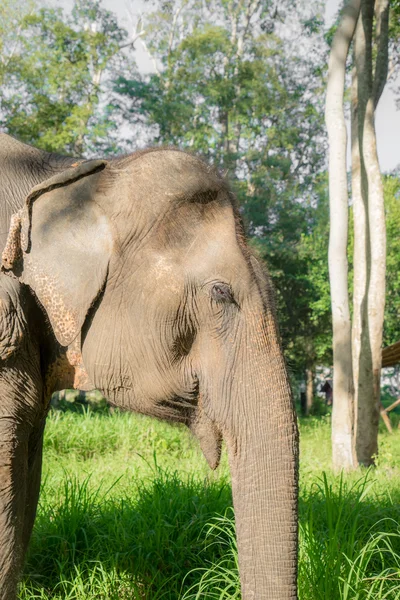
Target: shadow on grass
(155, 542)
(149, 542)
(349, 540)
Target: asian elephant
(133, 276)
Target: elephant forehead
(170, 174)
(215, 247)
(162, 266)
(194, 244)
(163, 272)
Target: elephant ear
(60, 245)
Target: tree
(394, 44)
(55, 84)
(317, 330)
(369, 225)
(230, 88)
(357, 348)
(342, 413)
(296, 252)
(12, 15)
(391, 328)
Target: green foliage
(394, 39)
(315, 251)
(229, 93)
(391, 327)
(52, 86)
(296, 251)
(227, 85)
(12, 14)
(231, 90)
(130, 510)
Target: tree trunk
(369, 231)
(371, 300)
(342, 413)
(367, 447)
(309, 390)
(362, 366)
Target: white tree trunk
(355, 415)
(342, 413)
(370, 303)
(361, 263)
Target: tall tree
(228, 85)
(369, 225)
(343, 389)
(357, 346)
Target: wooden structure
(390, 358)
(391, 355)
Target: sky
(387, 120)
(387, 115)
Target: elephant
(133, 276)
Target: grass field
(130, 510)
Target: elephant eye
(221, 292)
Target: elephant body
(133, 276)
(21, 426)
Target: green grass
(130, 510)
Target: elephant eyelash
(222, 293)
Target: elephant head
(141, 263)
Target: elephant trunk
(263, 457)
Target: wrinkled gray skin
(133, 276)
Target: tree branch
(382, 53)
(151, 57)
(174, 22)
(132, 42)
(251, 9)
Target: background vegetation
(129, 509)
(241, 83)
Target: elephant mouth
(189, 410)
(208, 435)
(177, 408)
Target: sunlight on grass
(219, 580)
(130, 510)
(339, 553)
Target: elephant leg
(21, 415)
(13, 478)
(35, 452)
